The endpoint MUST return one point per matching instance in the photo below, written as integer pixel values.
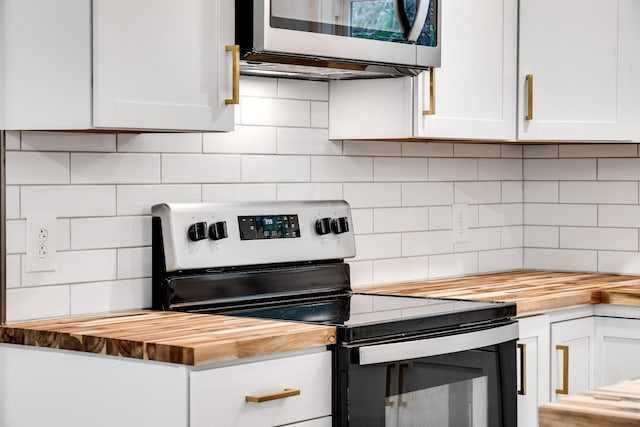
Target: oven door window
(453, 390)
(402, 21)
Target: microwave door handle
(401, 16)
(422, 10)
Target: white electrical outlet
(460, 223)
(41, 243)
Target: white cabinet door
(533, 368)
(162, 64)
(629, 70)
(219, 396)
(617, 350)
(572, 357)
(570, 49)
(475, 88)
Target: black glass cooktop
(360, 316)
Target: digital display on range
(269, 227)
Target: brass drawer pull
(432, 94)
(288, 392)
(529, 80)
(523, 369)
(235, 96)
(565, 369)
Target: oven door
(417, 383)
(404, 32)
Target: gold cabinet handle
(288, 392)
(432, 94)
(235, 95)
(529, 80)
(523, 369)
(565, 369)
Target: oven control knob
(340, 225)
(323, 226)
(218, 230)
(197, 231)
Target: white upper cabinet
(117, 64)
(576, 62)
(474, 90)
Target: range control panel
(209, 235)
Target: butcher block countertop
(617, 405)
(533, 291)
(184, 338)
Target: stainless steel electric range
(398, 361)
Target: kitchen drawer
(218, 396)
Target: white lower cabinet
(222, 396)
(533, 368)
(617, 350)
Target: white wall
(100, 187)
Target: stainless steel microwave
(338, 39)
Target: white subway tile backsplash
(400, 169)
(478, 192)
(63, 234)
(239, 192)
(619, 262)
(453, 265)
(200, 169)
(36, 167)
(598, 150)
(94, 168)
(541, 191)
(619, 169)
(118, 295)
(623, 192)
(244, 139)
(427, 149)
(134, 263)
(37, 303)
(114, 232)
(68, 141)
(393, 220)
(372, 148)
(75, 267)
(565, 214)
(561, 259)
(13, 271)
(258, 86)
(320, 115)
(476, 150)
(427, 193)
(361, 273)
(307, 141)
(400, 270)
(378, 246)
(274, 112)
(499, 169)
(619, 216)
(500, 260)
(362, 221)
(512, 237)
(370, 195)
(160, 142)
(138, 199)
(16, 232)
(499, 215)
(311, 191)
(440, 217)
(12, 195)
(615, 239)
(12, 140)
(275, 169)
(69, 200)
(559, 169)
(511, 151)
(341, 169)
(540, 151)
(427, 243)
(303, 89)
(536, 236)
(512, 192)
(441, 169)
(480, 239)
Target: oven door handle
(405, 350)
